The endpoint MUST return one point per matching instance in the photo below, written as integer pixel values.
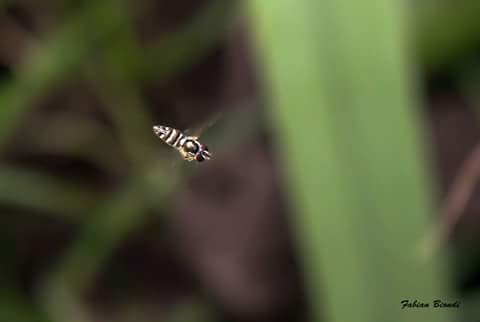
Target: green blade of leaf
(336, 73)
(34, 190)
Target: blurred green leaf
(108, 226)
(31, 189)
(74, 136)
(336, 70)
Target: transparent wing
(232, 124)
(201, 128)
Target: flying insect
(189, 147)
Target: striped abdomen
(171, 136)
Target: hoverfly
(188, 146)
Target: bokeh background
(344, 137)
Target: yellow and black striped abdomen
(171, 136)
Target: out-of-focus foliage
(346, 115)
(338, 71)
(96, 42)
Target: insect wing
(197, 131)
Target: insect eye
(191, 147)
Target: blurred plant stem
(336, 72)
(34, 190)
(109, 224)
(77, 137)
(456, 201)
(101, 234)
